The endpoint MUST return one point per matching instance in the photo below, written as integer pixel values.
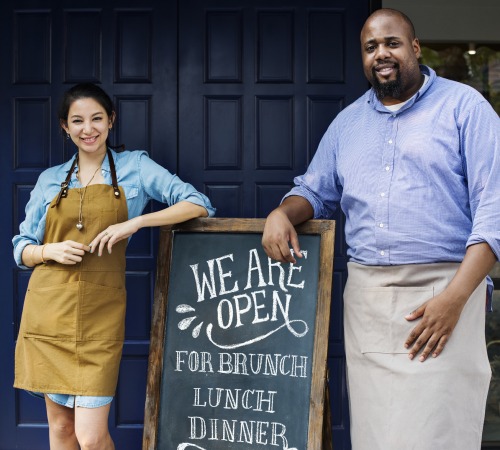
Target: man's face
(390, 58)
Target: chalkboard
(239, 341)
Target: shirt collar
(377, 104)
(104, 166)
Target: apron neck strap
(63, 193)
(113, 174)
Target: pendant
(79, 226)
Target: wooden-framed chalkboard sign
(239, 341)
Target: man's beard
(392, 89)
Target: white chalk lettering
(196, 362)
(256, 306)
(234, 399)
(222, 275)
(209, 282)
(232, 316)
(197, 398)
(210, 285)
(241, 310)
(240, 431)
(253, 256)
(273, 365)
(220, 314)
(281, 279)
(294, 267)
(197, 432)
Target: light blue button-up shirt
(141, 178)
(417, 185)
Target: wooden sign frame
(319, 427)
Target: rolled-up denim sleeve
(32, 229)
(168, 188)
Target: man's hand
(279, 234)
(439, 316)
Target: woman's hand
(113, 234)
(66, 252)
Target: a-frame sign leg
(327, 418)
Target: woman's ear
(112, 120)
(64, 126)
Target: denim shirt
(141, 178)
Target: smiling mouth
(385, 70)
(89, 140)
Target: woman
(78, 221)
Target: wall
(452, 20)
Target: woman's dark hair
(86, 90)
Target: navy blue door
(259, 83)
(231, 95)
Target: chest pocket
(131, 191)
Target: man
(415, 165)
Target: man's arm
(441, 313)
(279, 231)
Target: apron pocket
(51, 311)
(102, 312)
(383, 312)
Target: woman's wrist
(37, 255)
(41, 254)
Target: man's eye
(370, 48)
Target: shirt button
(381, 225)
(390, 141)
(382, 252)
(382, 194)
(387, 168)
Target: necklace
(79, 225)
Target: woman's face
(88, 124)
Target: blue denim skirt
(70, 401)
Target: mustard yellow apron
(72, 328)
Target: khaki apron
(72, 328)
(398, 404)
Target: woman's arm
(180, 212)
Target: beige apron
(72, 328)
(398, 404)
